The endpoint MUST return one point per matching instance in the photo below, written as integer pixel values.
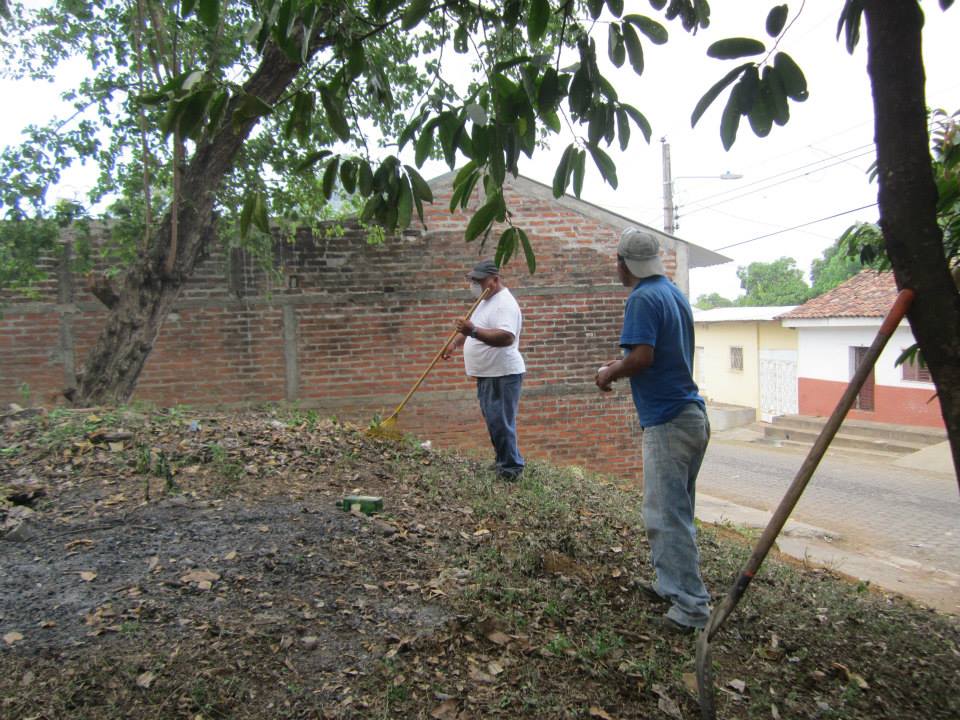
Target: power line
(795, 227)
(770, 185)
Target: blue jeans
(672, 454)
(499, 399)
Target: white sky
(813, 168)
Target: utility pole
(669, 224)
(669, 207)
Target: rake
(386, 428)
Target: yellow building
(745, 357)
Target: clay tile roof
(868, 294)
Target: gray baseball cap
(640, 250)
(484, 268)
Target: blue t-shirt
(658, 314)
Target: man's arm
(639, 358)
(489, 336)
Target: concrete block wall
(347, 327)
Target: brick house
(348, 326)
(834, 331)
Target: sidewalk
(816, 546)
(849, 505)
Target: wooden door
(865, 396)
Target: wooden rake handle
(437, 357)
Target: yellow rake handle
(436, 357)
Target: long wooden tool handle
(439, 355)
(790, 499)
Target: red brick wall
(348, 327)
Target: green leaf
(595, 7)
(730, 121)
(311, 160)
(461, 40)
(562, 174)
(335, 116)
(404, 205)
(425, 142)
(498, 168)
(623, 128)
(415, 12)
(581, 92)
(598, 124)
(794, 83)
(506, 246)
(365, 179)
(260, 219)
(714, 91)
(615, 48)
(776, 19)
(528, 251)
(850, 19)
(537, 18)
(606, 166)
(330, 177)
(186, 7)
(731, 48)
(634, 48)
(421, 189)
(483, 217)
(761, 114)
(250, 107)
(409, 131)
(616, 7)
(246, 214)
(579, 166)
(747, 89)
(640, 120)
(209, 12)
(779, 107)
(656, 32)
(549, 91)
(348, 176)
(552, 121)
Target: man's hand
(464, 327)
(605, 376)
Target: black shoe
(648, 591)
(507, 476)
(672, 626)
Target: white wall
(825, 354)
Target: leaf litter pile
(188, 564)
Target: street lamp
(669, 208)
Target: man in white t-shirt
(491, 354)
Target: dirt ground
(182, 564)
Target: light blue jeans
(672, 454)
(499, 400)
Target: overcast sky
(812, 169)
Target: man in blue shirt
(657, 339)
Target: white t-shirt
(501, 312)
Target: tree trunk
(149, 292)
(908, 196)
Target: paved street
(907, 517)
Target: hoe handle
(789, 501)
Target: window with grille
(913, 370)
(736, 358)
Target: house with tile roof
(745, 357)
(834, 332)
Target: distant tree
(713, 300)
(775, 283)
(834, 267)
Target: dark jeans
(499, 399)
